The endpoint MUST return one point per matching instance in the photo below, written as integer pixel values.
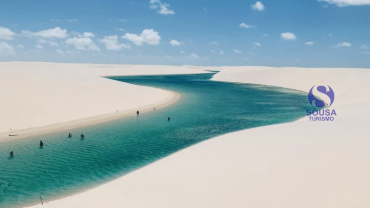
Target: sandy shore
(45, 97)
(299, 164)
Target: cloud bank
(344, 3)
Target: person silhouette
(168, 119)
(41, 144)
(11, 153)
(137, 113)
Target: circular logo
(322, 92)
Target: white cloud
(49, 33)
(83, 35)
(6, 33)
(344, 3)
(74, 33)
(50, 42)
(148, 36)
(163, 7)
(85, 44)
(38, 46)
(288, 36)
(175, 43)
(122, 20)
(365, 52)
(72, 20)
(87, 35)
(258, 6)
(111, 43)
(70, 52)
(194, 55)
(237, 51)
(343, 44)
(257, 44)
(182, 52)
(121, 29)
(6, 49)
(221, 53)
(243, 25)
(310, 43)
(365, 47)
(60, 51)
(20, 46)
(213, 43)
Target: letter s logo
(321, 93)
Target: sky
(302, 33)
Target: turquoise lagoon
(65, 166)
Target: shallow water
(205, 109)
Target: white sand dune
(43, 97)
(299, 164)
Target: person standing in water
(137, 113)
(41, 144)
(11, 153)
(82, 136)
(69, 135)
(168, 119)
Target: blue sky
(305, 33)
